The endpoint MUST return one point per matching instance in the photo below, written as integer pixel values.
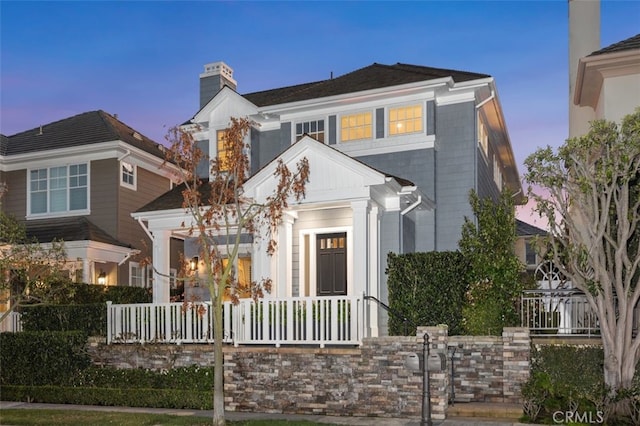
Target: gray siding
(389, 243)
(202, 170)
(104, 201)
(14, 201)
(265, 146)
(456, 171)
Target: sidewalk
(236, 416)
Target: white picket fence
(11, 323)
(336, 320)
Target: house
(604, 81)
(393, 151)
(78, 179)
(526, 245)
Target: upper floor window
(356, 126)
(405, 120)
(59, 189)
(529, 253)
(223, 151)
(483, 136)
(315, 129)
(127, 174)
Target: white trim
(410, 142)
(313, 233)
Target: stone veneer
(371, 380)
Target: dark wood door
(331, 264)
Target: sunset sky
(141, 60)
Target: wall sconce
(193, 264)
(102, 278)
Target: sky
(142, 59)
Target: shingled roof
(75, 228)
(628, 44)
(374, 76)
(4, 143)
(83, 129)
(523, 229)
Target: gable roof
(4, 143)
(83, 129)
(523, 229)
(373, 76)
(628, 44)
(75, 228)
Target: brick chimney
(216, 75)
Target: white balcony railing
(558, 312)
(337, 320)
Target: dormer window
(127, 175)
(405, 120)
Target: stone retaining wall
(375, 379)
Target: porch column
(260, 261)
(360, 211)
(87, 271)
(374, 265)
(284, 273)
(161, 263)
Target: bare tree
(591, 198)
(221, 213)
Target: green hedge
(157, 398)
(194, 378)
(90, 319)
(41, 358)
(427, 288)
(92, 293)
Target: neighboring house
(393, 150)
(526, 244)
(78, 180)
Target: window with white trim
(314, 128)
(127, 175)
(483, 136)
(136, 275)
(406, 119)
(59, 189)
(530, 253)
(356, 126)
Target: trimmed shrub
(90, 319)
(92, 293)
(41, 358)
(427, 288)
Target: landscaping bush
(41, 358)
(563, 379)
(427, 288)
(92, 293)
(194, 378)
(90, 319)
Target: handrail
(396, 314)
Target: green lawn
(23, 416)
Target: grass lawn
(22, 416)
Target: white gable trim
(234, 105)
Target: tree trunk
(218, 371)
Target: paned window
(405, 120)
(530, 253)
(356, 126)
(136, 275)
(128, 174)
(223, 152)
(483, 136)
(315, 129)
(59, 189)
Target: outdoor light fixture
(193, 264)
(102, 278)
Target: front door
(331, 264)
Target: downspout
(145, 229)
(403, 213)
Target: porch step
(485, 410)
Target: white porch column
(374, 268)
(87, 271)
(284, 273)
(260, 260)
(360, 211)
(161, 263)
